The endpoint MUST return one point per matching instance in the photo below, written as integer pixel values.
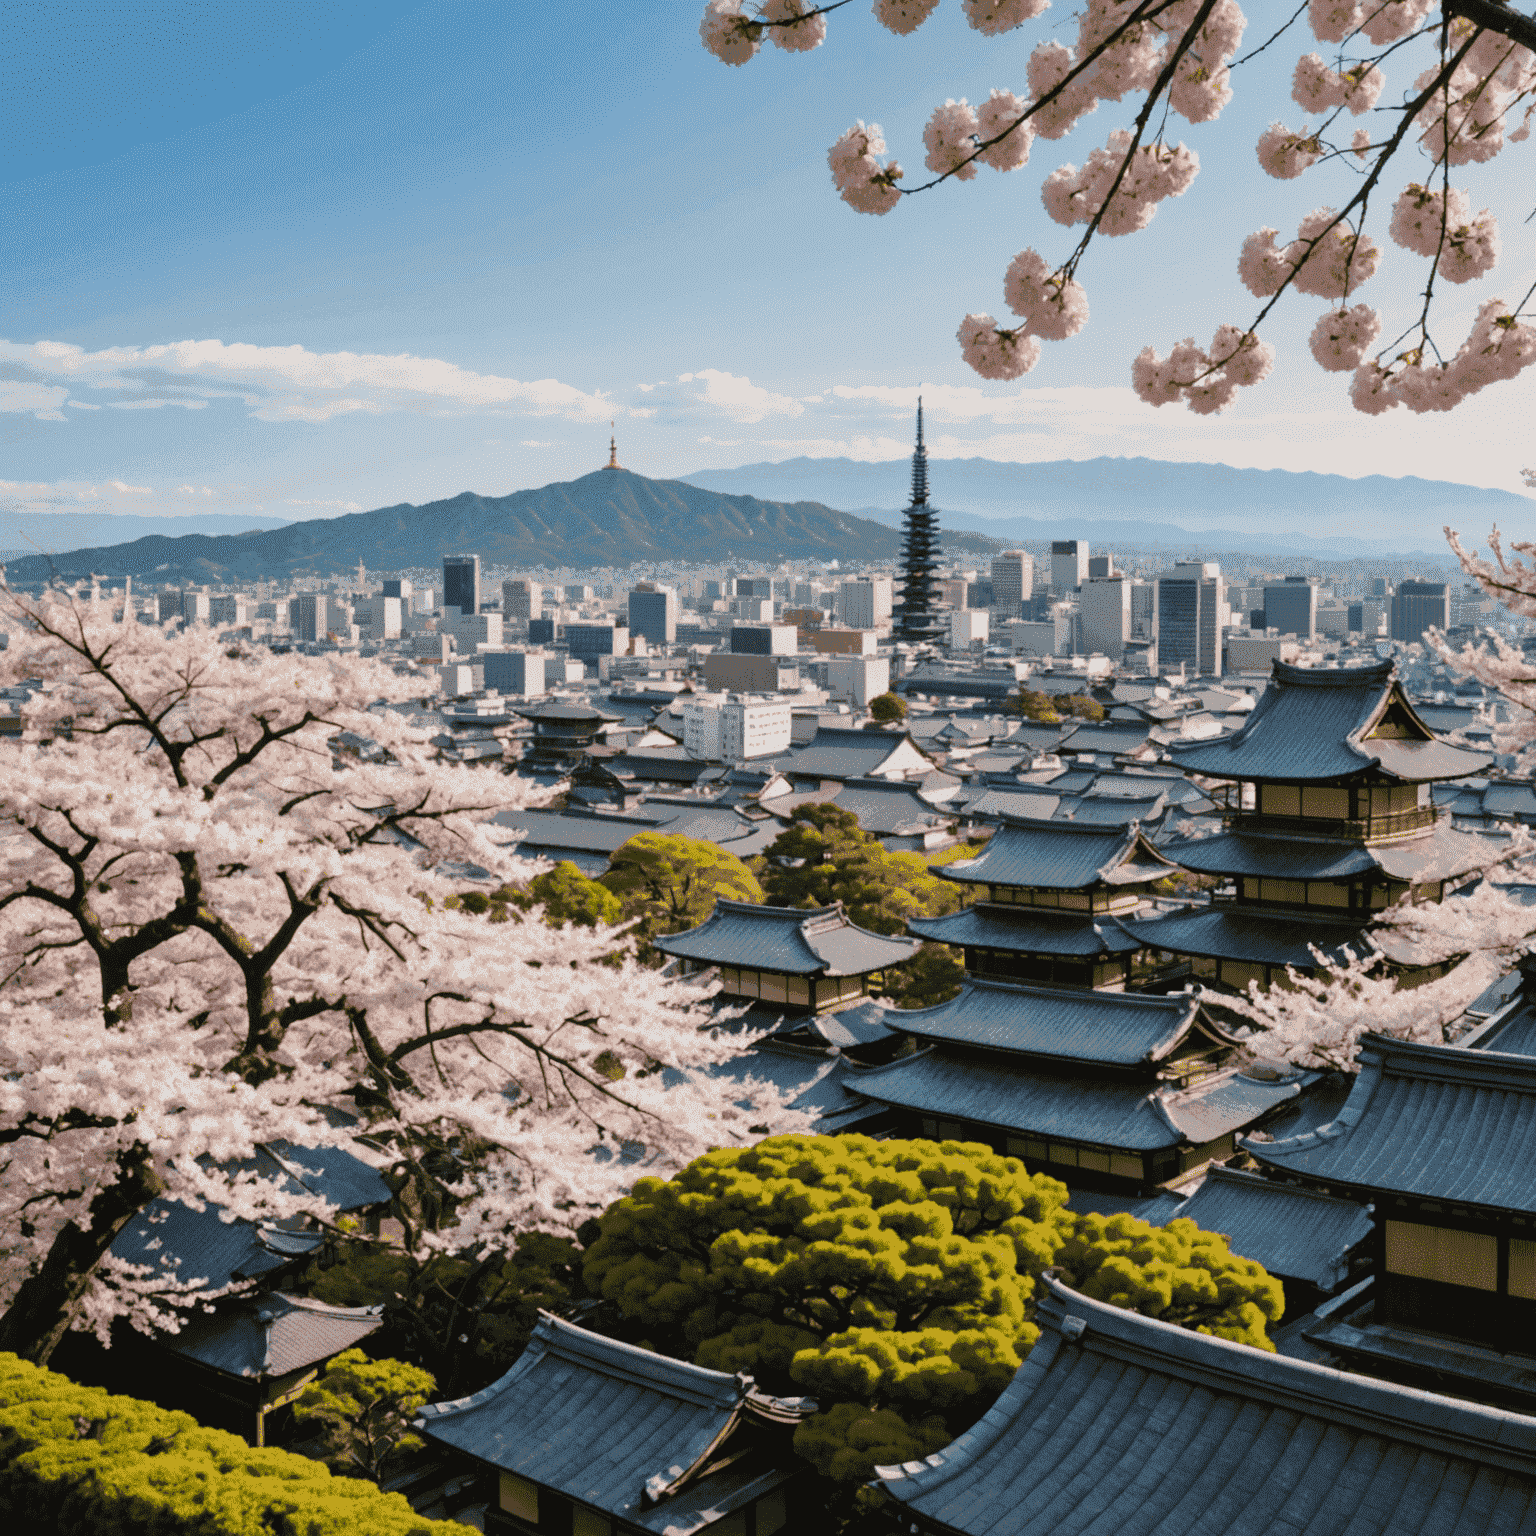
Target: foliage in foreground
(892, 1280)
(670, 883)
(363, 1409)
(79, 1461)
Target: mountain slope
(1152, 502)
(32, 533)
(607, 518)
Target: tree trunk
(45, 1306)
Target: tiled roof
(1111, 739)
(1262, 936)
(1121, 1029)
(1123, 1425)
(1061, 855)
(995, 803)
(1434, 1121)
(797, 941)
(1153, 1209)
(838, 753)
(611, 1425)
(1293, 1232)
(1026, 931)
(1441, 853)
(1109, 810)
(1313, 725)
(272, 1335)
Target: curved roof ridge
(1335, 677)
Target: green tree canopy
(932, 976)
(1077, 706)
(892, 1280)
(887, 707)
(670, 883)
(1032, 704)
(825, 856)
(566, 895)
(363, 1409)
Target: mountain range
(611, 517)
(1153, 504)
(32, 533)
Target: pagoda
(1328, 821)
(1050, 896)
(916, 617)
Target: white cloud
(282, 383)
(529, 442)
(711, 392)
(130, 490)
(24, 397)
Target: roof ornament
(613, 449)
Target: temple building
(810, 959)
(1440, 1141)
(563, 734)
(1129, 1424)
(586, 1436)
(1051, 896)
(916, 617)
(1328, 821)
(1111, 1091)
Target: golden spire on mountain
(613, 451)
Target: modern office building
(514, 672)
(864, 602)
(1069, 564)
(735, 729)
(653, 613)
(398, 586)
(310, 620)
(968, 626)
(1104, 608)
(589, 641)
(1290, 606)
(520, 601)
(764, 640)
(1420, 605)
(1189, 617)
(461, 582)
(1013, 580)
(1100, 566)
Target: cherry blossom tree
(224, 921)
(1466, 87)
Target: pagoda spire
(916, 617)
(920, 463)
(613, 450)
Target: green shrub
(80, 1461)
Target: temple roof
(1062, 856)
(1027, 931)
(272, 1335)
(1440, 854)
(836, 752)
(1123, 1424)
(1260, 935)
(1027, 1100)
(1293, 1232)
(1325, 724)
(798, 941)
(1434, 1121)
(621, 1429)
(1121, 1029)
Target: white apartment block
(1104, 603)
(733, 729)
(968, 625)
(865, 602)
(855, 680)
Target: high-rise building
(764, 640)
(461, 582)
(515, 672)
(917, 616)
(1143, 610)
(1190, 600)
(1069, 564)
(1290, 606)
(589, 641)
(1420, 605)
(520, 601)
(310, 620)
(968, 626)
(398, 586)
(653, 613)
(1100, 566)
(864, 602)
(1013, 580)
(754, 586)
(1104, 607)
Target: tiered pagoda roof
(1118, 1423)
(1062, 856)
(1027, 931)
(1326, 725)
(795, 941)
(1252, 935)
(637, 1436)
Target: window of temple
(1280, 799)
(1446, 1254)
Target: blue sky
(301, 258)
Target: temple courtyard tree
(666, 884)
(894, 1281)
(1403, 94)
(224, 922)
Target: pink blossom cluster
(1051, 305)
(732, 37)
(1382, 21)
(950, 138)
(1317, 88)
(994, 17)
(862, 182)
(995, 352)
(1201, 84)
(796, 35)
(1285, 154)
(1154, 172)
(1327, 261)
(1341, 338)
(903, 16)
(1206, 379)
(1464, 121)
(1434, 225)
(1499, 347)
(995, 115)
